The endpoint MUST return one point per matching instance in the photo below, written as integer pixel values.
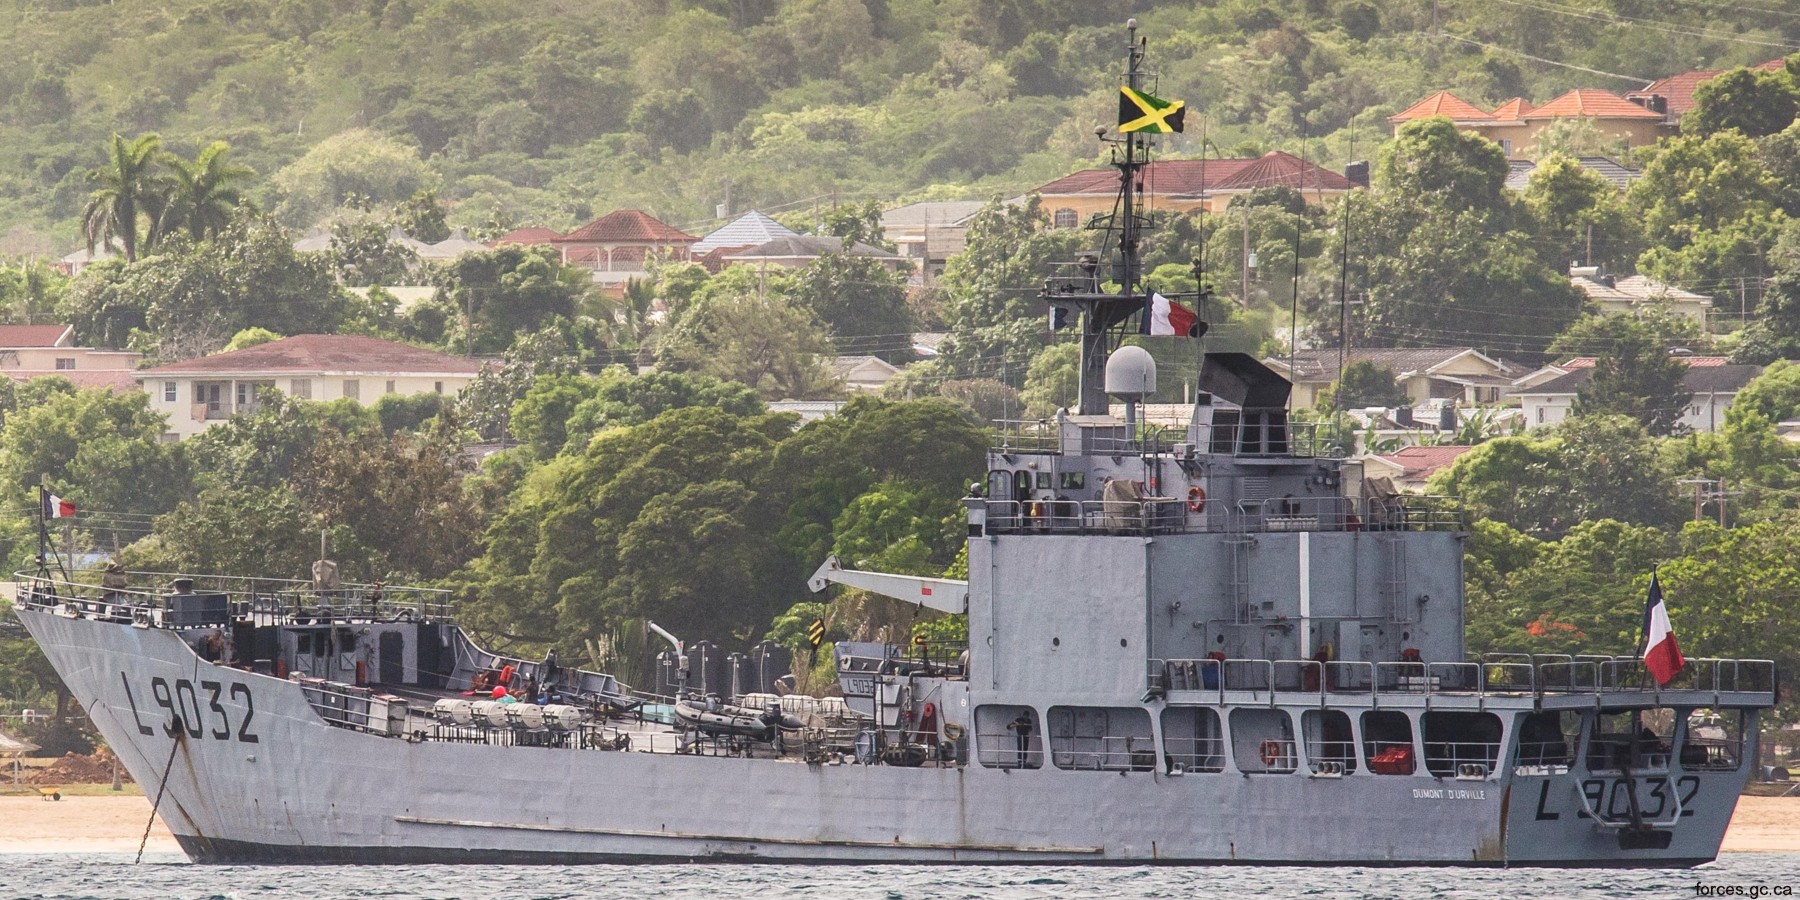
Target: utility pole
(1699, 495)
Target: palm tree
(203, 193)
(127, 188)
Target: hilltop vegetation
(552, 113)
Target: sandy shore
(116, 824)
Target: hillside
(550, 113)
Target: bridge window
(1461, 743)
(1330, 747)
(1714, 741)
(1103, 738)
(1192, 739)
(1549, 739)
(1008, 737)
(1388, 742)
(1262, 740)
(1631, 738)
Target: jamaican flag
(1140, 112)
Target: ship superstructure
(1204, 644)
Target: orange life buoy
(1196, 499)
(1270, 751)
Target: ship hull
(249, 773)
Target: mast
(1104, 314)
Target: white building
(200, 392)
(1713, 381)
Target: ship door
(392, 648)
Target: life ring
(1270, 751)
(1196, 499)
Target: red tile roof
(527, 236)
(1591, 103)
(1516, 108)
(1422, 461)
(315, 353)
(17, 336)
(1442, 103)
(1191, 177)
(1276, 168)
(627, 226)
(1693, 362)
(1678, 90)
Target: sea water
(170, 877)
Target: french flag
(1661, 655)
(1165, 316)
(56, 507)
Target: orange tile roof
(314, 353)
(1420, 462)
(1516, 108)
(1442, 103)
(1591, 103)
(627, 226)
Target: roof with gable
(1621, 177)
(528, 236)
(1420, 462)
(1678, 90)
(1321, 365)
(1193, 177)
(747, 230)
(1442, 103)
(807, 246)
(1591, 103)
(323, 353)
(626, 226)
(1516, 108)
(931, 212)
(117, 380)
(1632, 289)
(1708, 377)
(21, 336)
(453, 246)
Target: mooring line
(180, 732)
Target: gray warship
(1208, 644)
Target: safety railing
(1006, 750)
(1257, 439)
(1104, 753)
(182, 600)
(1205, 754)
(1497, 675)
(1461, 759)
(1177, 515)
(1330, 758)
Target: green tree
(861, 302)
(1053, 381)
(355, 163)
(1366, 384)
(1754, 102)
(509, 291)
(1578, 212)
(1635, 376)
(734, 331)
(204, 194)
(128, 195)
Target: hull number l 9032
(199, 711)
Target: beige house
(1462, 374)
(31, 351)
(929, 233)
(201, 392)
(1515, 124)
(861, 374)
(1637, 294)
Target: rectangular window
(301, 388)
(352, 389)
(390, 386)
(170, 393)
(65, 363)
(437, 386)
(1506, 146)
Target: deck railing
(1498, 675)
(1173, 515)
(183, 601)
